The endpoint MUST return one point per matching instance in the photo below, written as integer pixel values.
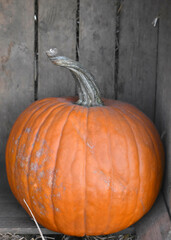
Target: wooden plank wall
(57, 29)
(97, 41)
(16, 68)
(138, 54)
(163, 96)
(115, 40)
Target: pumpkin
(86, 166)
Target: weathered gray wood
(163, 100)
(137, 54)
(97, 41)
(156, 224)
(129, 230)
(21, 226)
(16, 68)
(57, 29)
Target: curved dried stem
(88, 92)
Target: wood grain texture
(16, 68)
(97, 42)
(163, 96)
(57, 29)
(137, 54)
(155, 225)
(22, 226)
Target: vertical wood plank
(97, 41)
(137, 54)
(57, 28)
(163, 100)
(155, 225)
(16, 68)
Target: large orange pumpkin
(87, 168)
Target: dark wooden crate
(116, 40)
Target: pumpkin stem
(88, 92)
